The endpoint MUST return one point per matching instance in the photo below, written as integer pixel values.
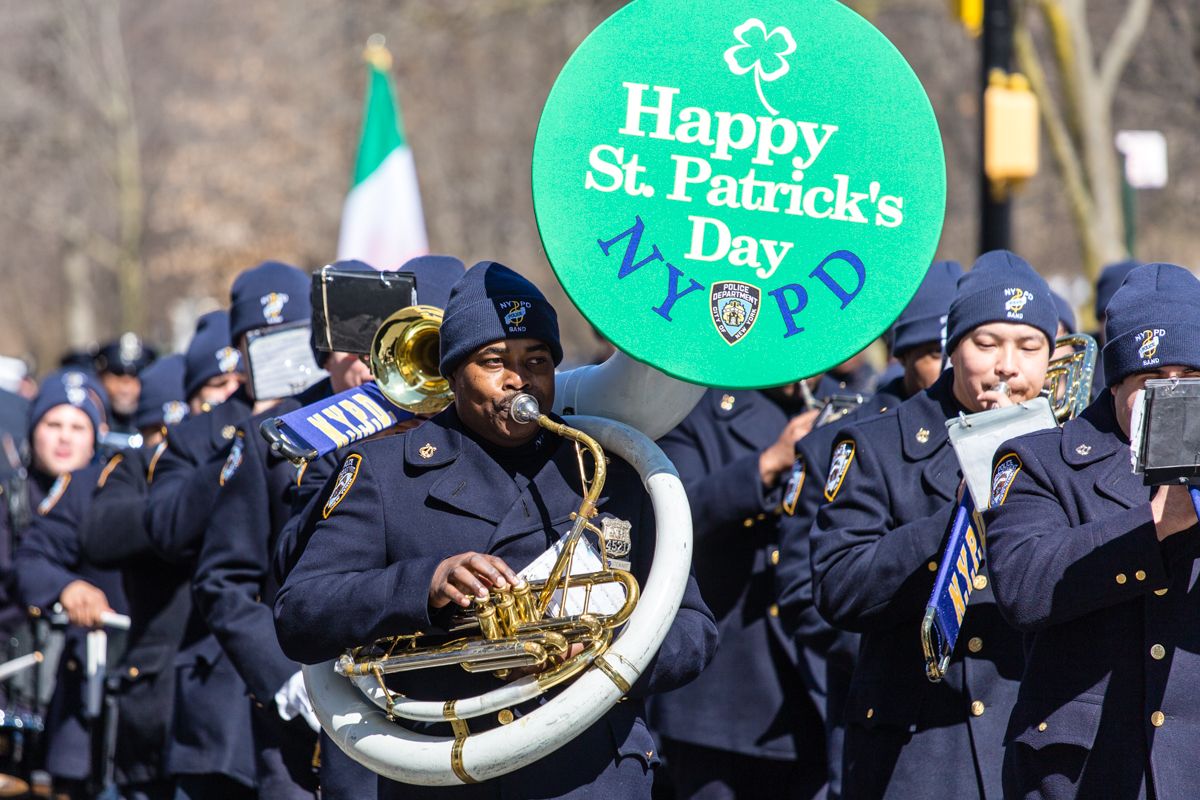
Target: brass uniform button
(747, 523)
(1042, 726)
(1157, 719)
(975, 644)
(72, 665)
(1158, 652)
(870, 713)
(1121, 578)
(1140, 574)
(505, 716)
(774, 556)
(980, 582)
(761, 517)
(134, 672)
(1160, 592)
(773, 610)
(977, 708)
(932, 565)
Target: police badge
(843, 454)
(345, 480)
(234, 460)
(734, 307)
(617, 542)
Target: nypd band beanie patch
(491, 303)
(270, 294)
(209, 354)
(1001, 287)
(1111, 278)
(1152, 321)
(924, 318)
(161, 399)
(71, 387)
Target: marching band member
(211, 752)
(891, 490)
(414, 523)
(234, 585)
(1110, 280)
(733, 453)
(915, 340)
(112, 535)
(1097, 570)
(49, 570)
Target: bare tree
(1078, 117)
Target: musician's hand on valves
(461, 576)
(1173, 510)
(84, 603)
(782, 454)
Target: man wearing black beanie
(415, 523)
(1099, 572)
(892, 488)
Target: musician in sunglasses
(1098, 571)
(891, 491)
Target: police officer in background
(113, 536)
(119, 364)
(212, 752)
(213, 367)
(1110, 280)
(891, 491)
(1099, 571)
(234, 585)
(467, 498)
(915, 340)
(48, 570)
(747, 726)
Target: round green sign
(739, 192)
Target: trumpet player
(414, 525)
(892, 486)
(1098, 571)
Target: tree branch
(1120, 49)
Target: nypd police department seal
(791, 494)
(1003, 477)
(235, 458)
(345, 480)
(734, 306)
(843, 454)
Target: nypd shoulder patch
(108, 469)
(55, 494)
(791, 493)
(1003, 477)
(843, 454)
(158, 451)
(345, 480)
(235, 458)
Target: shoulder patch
(235, 458)
(1003, 477)
(55, 494)
(345, 480)
(108, 469)
(158, 451)
(791, 493)
(843, 454)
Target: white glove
(292, 700)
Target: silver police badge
(734, 306)
(235, 458)
(617, 541)
(345, 480)
(1003, 477)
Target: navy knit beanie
(1111, 278)
(70, 387)
(491, 303)
(436, 276)
(1153, 321)
(924, 318)
(161, 401)
(269, 294)
(1001, 287)
(1066, 314)
(209, 354)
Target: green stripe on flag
(383, 130)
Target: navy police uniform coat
(114, 536)
(211, 728)
(736, 527)
(1110, 700)
(47, 560)
(830, 652)
(402, 504)
(875, 547)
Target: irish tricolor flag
(382, 223)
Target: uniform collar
(758, 418)
(1093, 437)
(923, 418)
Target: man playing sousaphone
(414, 525)
(892, 488)
(1099, 570)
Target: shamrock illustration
(755, 46)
